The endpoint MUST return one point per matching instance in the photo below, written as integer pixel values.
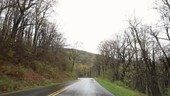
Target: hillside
(34, 72)
(83, 57)
(20, 76)
(18, 71)
(81, 61)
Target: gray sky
(91, 21)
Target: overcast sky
(91, 21)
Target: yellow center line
(61, 90)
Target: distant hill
(83, 63)
(83, 57)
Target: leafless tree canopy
(25, 30)
(141, 56)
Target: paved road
(41, 91)
(85, 87)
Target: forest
(33, 53)
(140, 56)
(31, 48)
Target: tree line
(141, 56)
(27, 34)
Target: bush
(48, 81)
(41, 67)
(6, 84)
(47, 70)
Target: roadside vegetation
(139, 56)
(81, 62)
(19, 77)
(118, 88)
(33, 53)
(31, 48)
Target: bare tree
(142, 39)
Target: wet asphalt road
(85, 87)
(41, 91)
(81, 87)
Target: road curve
(85, 87)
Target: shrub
(6, 84)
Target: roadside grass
(118, 88)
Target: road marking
(61, 90)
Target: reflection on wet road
(85, 87)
